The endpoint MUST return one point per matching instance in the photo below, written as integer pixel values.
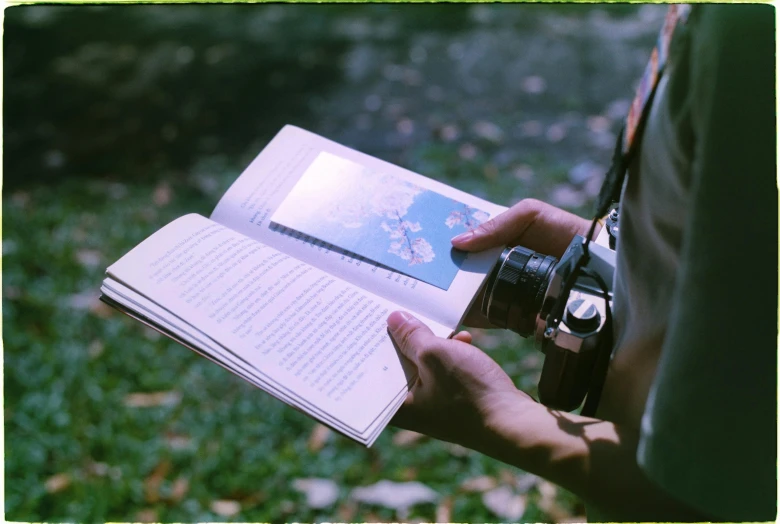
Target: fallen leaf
(319, 436)
(547, 501)
(555, 133)
(598, 123)
(57, 483)
(523, 173)
(504, 502)
(347, 511)
(100, 309)
(150, 400)
(115, 473)
(523, 483)
(489, 131)
(11, 292)
(84, 300)
(485, 339)
(399, 496)
(531, 361)
(547, 491)
(373, 102)
(531, 128)
(449, 132)
(534, 84)
(154, 481)
(78, 235)
(412, 77)
(320, 493)
(564, 195)
(593, 185)
(178, 442)
(162, 195)
(95, 348)
(405, 126)
(444, 510)
(89, 258)
(584, 171)
(179, 489)
(602, 141)
(147, 515)
(97, 469)
(403, 438)
(20, 199)
(507, 477)
(467, 151)
(151, 333)
(225, 508)
(457, 449)
(618, 109)
(478, 484)
(206, 183)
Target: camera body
(566, 304)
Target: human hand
(459, 390)
(530, 223)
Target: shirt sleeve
(709, 431)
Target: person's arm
(462, 396)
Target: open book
(304, 317)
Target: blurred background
(118, 119)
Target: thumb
(409, 334)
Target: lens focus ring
(516, 288)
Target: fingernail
(463, 237)
(397, 319)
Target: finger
(463, 336)
(409, 334)
(502, 230)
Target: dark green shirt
(697, 266)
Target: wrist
(546, 442)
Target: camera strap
(626, 146)
(630, 134)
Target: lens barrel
(516, 288)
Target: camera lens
(516, 288)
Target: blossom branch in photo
(415, 250)
(467, 217)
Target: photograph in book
(379, 217)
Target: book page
(144, 310)
(251, 201)
(321, 339)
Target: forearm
(592, 458)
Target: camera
(566, 304)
